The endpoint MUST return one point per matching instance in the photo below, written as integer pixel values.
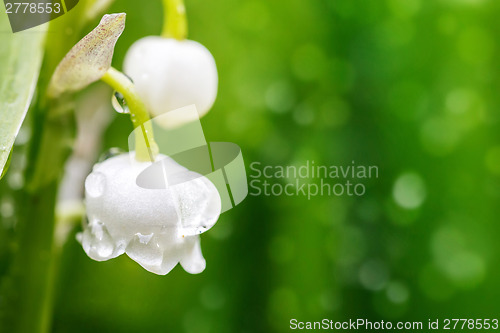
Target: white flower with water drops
(157, 228)
(170, 74)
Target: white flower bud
(170, 74)
(156, 228)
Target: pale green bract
(90, 58)
(20, 59)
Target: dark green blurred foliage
(408, 85)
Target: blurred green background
(411, 86)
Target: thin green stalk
(28, 289)
(145, 145)
(174, 19)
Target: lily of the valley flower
(170, 74)
(156, 228)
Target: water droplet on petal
(145, 250)
(194, 200)
(95, 184)
(144, 239)
(97, 242)
(119, 103)
(128, 77)
(191, 231)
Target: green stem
(33, 302)
(28, 289)
(174, 19)
(30, 285)
(145, 145)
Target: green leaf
(6, 167)
(20, 59)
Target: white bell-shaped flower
(170, 74)
(157, 228)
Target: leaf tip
(90, 58)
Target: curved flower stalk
(156, 228)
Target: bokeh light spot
(460, 100)
(409, 190)
(373, 275)
(465, 269)
(439, 135)
(304, 115)
(461, 266)
(15, 179)
(7, 207)
(280, 96)
(397, 292)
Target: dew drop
(144, 239)
(97, 241)
(194, 205)
(128, 77)
(119, 103)
(95, 184)
(192, 231)
(144, 250)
